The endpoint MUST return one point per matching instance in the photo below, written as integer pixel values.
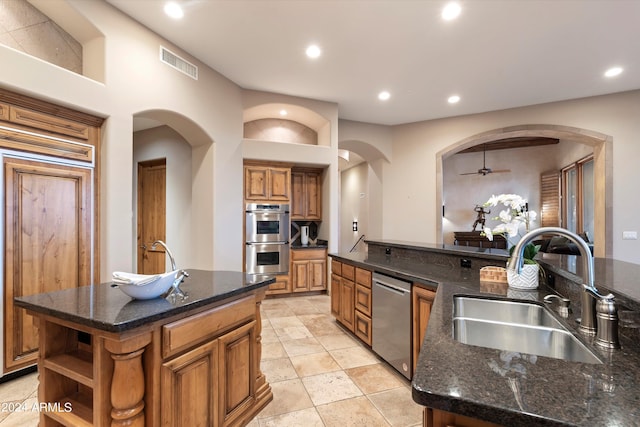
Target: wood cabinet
(438, 418)
(306, 195)
(362, 305)
(267, 183)
(199, 368)
(281, 286)
(422, 300)
(50, 158)
(308, 270)
(343, 299)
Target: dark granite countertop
(514, 389)
(297, 246)
(109, 309)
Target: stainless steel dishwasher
(391, 321)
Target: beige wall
(411, 210)
(165, 143)
(354, 198)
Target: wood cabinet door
(347, 308)
(189, 385)
(280, 184)
(48, 229)
(281, 286)
(422, 300)
(297, 210)
(362, 327)
(313, 193)
(256, 183)
(317, 275)
(238, 370)
(336, 292)
(300, 276)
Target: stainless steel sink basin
(516, 326)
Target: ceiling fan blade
(470, 173)
(501, 170)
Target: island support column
(127, 383)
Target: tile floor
(319, 374)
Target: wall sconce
(355, 225)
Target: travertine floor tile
(292, 333)
(336, 341)
(303, 418)
(19, 389)
(302, 346)
(285, 322)
(330, 387)
(397, 406)
(353, 357)
(288, 396)
(273, 350)
(278, 369)
(356, 412)
(375, 378)
(314, 364)
(320, 324)
(269, 335)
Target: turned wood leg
(127, 390)
(127, 383)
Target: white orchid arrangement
(515, 217)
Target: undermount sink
(524, 327)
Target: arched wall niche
(270, 116)
(603, 170)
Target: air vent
(178, 63)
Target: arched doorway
(603, 175)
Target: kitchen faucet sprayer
(590, 294)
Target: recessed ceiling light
(174, 10)
(283, 112)
(453, 99)
(384, 95)
(313, 51)
(451, 11)
(612, 72)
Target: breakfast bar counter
(108, 360)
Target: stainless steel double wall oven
(267, 238)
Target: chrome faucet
(590, 294)
(180, 275)
(164, 245)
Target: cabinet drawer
(349, 272)
(308, 254)
(362, 327)
(363, 277)
(363, 299)
(182, 334)
(281, 286)
(336, 267)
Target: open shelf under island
(108, 360)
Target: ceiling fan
(484, 171)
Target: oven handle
(266, 243)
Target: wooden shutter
(550, 199)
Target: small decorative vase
(527, 279)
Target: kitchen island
(108, 360)
(461, 384)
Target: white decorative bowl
(150, 290)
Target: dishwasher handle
(392, 288)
